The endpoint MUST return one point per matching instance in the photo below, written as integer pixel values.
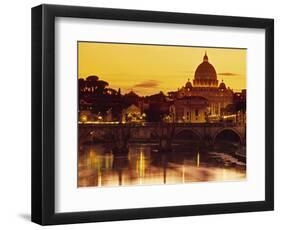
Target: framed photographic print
(142, 114)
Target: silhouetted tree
(100, 86)
(92, 78)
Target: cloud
(228, 74)
(147, 84)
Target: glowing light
(141, 166)
(84, 118)
(230, 116)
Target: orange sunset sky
(149, 69)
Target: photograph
(151, 114)
(142, 113)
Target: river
(144, 165)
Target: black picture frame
(43, 110)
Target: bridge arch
(229, 134)
(187, 134)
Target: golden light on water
(183, 173)
(97, 170)
(198, 159)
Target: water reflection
(142, 164)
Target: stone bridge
(121, 134)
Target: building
(193, 109)
(239, 102)
(84, 105)
(206, 85)
(132, 114)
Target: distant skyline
(149, 69)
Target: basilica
(211, 97)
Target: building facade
(205, 85)
(189, 109)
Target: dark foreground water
(144, 165)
